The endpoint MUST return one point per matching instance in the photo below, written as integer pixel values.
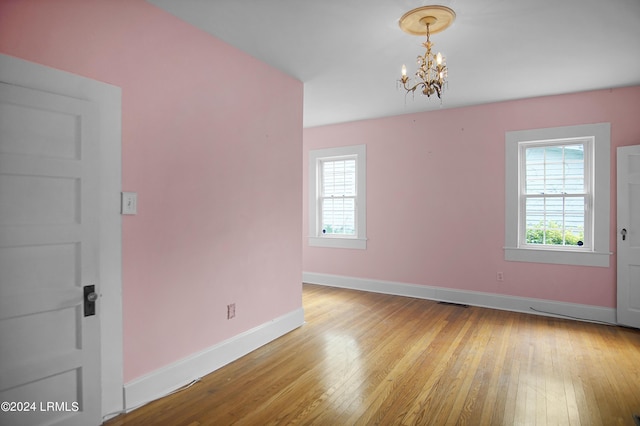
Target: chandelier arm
(412, 88)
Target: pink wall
(436, 191)
(212, 143)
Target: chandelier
(431, 75)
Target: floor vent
(460, 305)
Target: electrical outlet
(231, 311)
(499, 276)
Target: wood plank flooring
(374, 359)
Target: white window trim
(316, 239)
(599, 254)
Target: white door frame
(109, 98)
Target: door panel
(49, 356)
(51, 200)
(54, 136)
(628, 282)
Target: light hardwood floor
(366, 358)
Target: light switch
(129, 203)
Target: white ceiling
(348, 53)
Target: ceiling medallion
(431, 75)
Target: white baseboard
(486, 300)
(174, 376)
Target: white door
(49, 349)
(629, 236)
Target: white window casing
(595, 139)
(337, 195)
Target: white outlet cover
(129, 203)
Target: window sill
(559, 257)
(337, 242)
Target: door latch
(624, 233)
(90, 297)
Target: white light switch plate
(129, 203)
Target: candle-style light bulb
(404, 70)
(439, 58)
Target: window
(337, 196)
(557, 195)
(337, 191)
